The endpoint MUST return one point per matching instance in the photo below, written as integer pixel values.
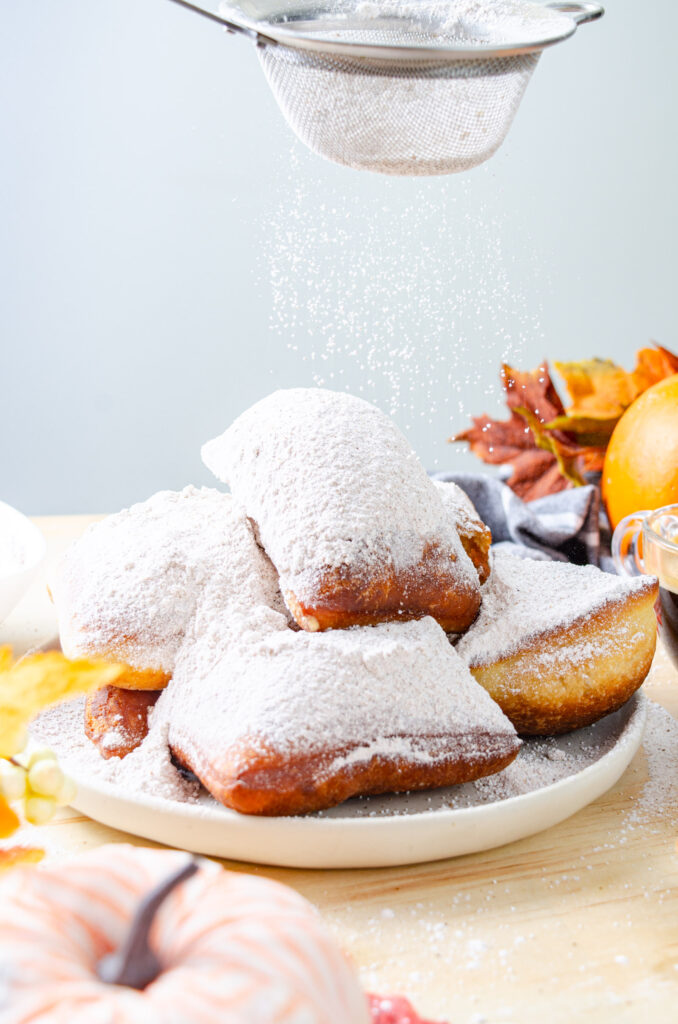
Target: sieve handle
(231, 26)
(579, 12)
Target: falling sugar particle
(409, 302)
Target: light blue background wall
(169, 253)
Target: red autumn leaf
(393, 1010)
(535, 475)
(536, 471)
(497, 441)
(533, 390)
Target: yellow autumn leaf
(15, 856)
(598, 388)
(39, 680)
(566, 456)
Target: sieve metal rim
(273, 33)
(409, 69)
(289, 34)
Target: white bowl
(22, 551)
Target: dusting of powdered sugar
(541, 762)
(420, 22)
(113, 738)
(331, 482)
(406, 307)
(396, 689)
(460, 508)
(135, 582)
(464, 21)
(659, 795)
(148, 769)
(524, 599)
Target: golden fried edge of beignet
(121, 714)
(268, 783)
(539, 703)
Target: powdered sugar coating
(541, 761)
(396, 689)
(331, 482)
(147, 769)
(459, 507)
(525, 599)
(463, 22)
(136, 582)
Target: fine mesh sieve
(433, 118)
(414, 88)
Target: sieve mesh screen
(416, 118)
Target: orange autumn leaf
(39, 680)
(500, 442)
(497, 441)
(653, 365)
(9, 822)
(601, 391)
(15, 856)
(599, 388)
(547, 449)
(536, 476)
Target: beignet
(135, 583)
(354, 526)
(289, 723)
(560, 645)
(474, 535)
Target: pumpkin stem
(135, 964)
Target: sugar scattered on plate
(540, 762)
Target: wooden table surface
(577, 923)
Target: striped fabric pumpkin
(235, 949)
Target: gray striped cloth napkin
(570, 526)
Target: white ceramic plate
(383, 831)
